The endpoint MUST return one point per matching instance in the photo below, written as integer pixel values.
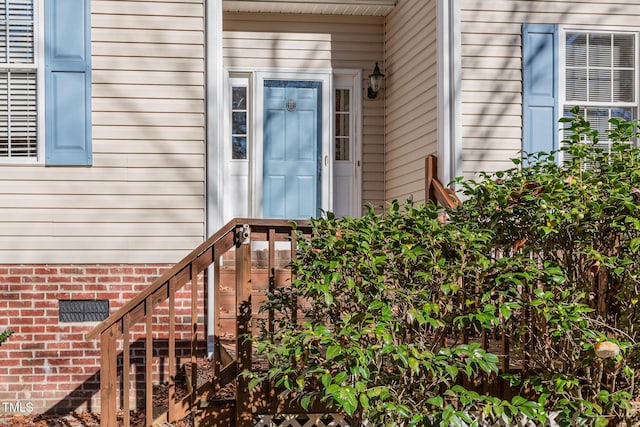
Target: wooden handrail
(191, 257)
(189, 269)
(434, 189)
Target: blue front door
(291, 164)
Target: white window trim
(38, 65)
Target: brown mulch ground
(82, 419)
(89, 419)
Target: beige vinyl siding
(411, 97)
(492, 64)
(142, 200)
(269, 41)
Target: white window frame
(38, 66)
(562, 58)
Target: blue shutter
(68, 82)
(540, 87)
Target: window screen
(18, 79)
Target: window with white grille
(18, 79)
(600, 76)
(343, 124)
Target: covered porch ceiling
(324, 7)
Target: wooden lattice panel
(521, 422)
(302, 420)
(334, 420)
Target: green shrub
(584, 218)
(374, 321)
(386, 301)
(4, 335)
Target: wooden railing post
(171, 414)
(148, 362)
(244, 416)
(108, 376)
(126, 368)
(431, 173)
(217, 359)
(435, 191)
(194, 342)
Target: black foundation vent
(83, 310)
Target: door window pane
(343, 128)
(239, 101)
(239, 147)
(239, 120)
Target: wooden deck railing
(435, 190)
(117, 331)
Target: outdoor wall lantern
(375, 82)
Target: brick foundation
(47, 365)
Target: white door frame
(331, 79)
(258, 76)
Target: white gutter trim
(321, 2)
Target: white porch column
(449, 102)
(214, 136)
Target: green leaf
(364, 401)
(518, 401)
(601, 422)
(414, 364)
(326, 380)
(333, 351)
(305, 401)
(505, 310)
(340, 378)
(375, 305)
(347, 398)
(603, 396)
(436, 401)
(403, 410)
(528, 412)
